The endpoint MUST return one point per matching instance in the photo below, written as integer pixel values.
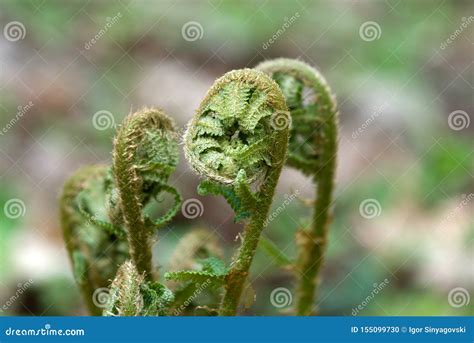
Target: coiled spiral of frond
(147, 142)
(96, 248)
(313, 111)
(233, 128)
(313, 150)
(145, 155)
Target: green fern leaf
(255, 111)
(209, 126)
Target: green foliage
(131, 295)
(95, 250)
(238, 140)
(102, 210)
(313, 151)
(235, 143)
(232, 128)
(145, 154)
(213, 271)
(312, 114)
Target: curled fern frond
(238, 141)
(313, 111)
(131, 295)
(232, 129)
(95, 247)
(313, 150)
(145, 155)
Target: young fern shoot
(312, 150)
(132, 295)
(145, 154)
(238, 140)
(95, 248)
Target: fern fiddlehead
(145, 154)
(312, 150)
(95, 251)
(132, 295)
(236, 141)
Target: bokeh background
(403, 75)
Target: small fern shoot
(145, 154)
(313, 151)
(238, 141)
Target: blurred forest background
(403, 75)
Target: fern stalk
(95, 248)
(238, 139)
(313, 150)
(145, 154)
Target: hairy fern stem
(312, 150)
(238, 140)
(145, 154)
